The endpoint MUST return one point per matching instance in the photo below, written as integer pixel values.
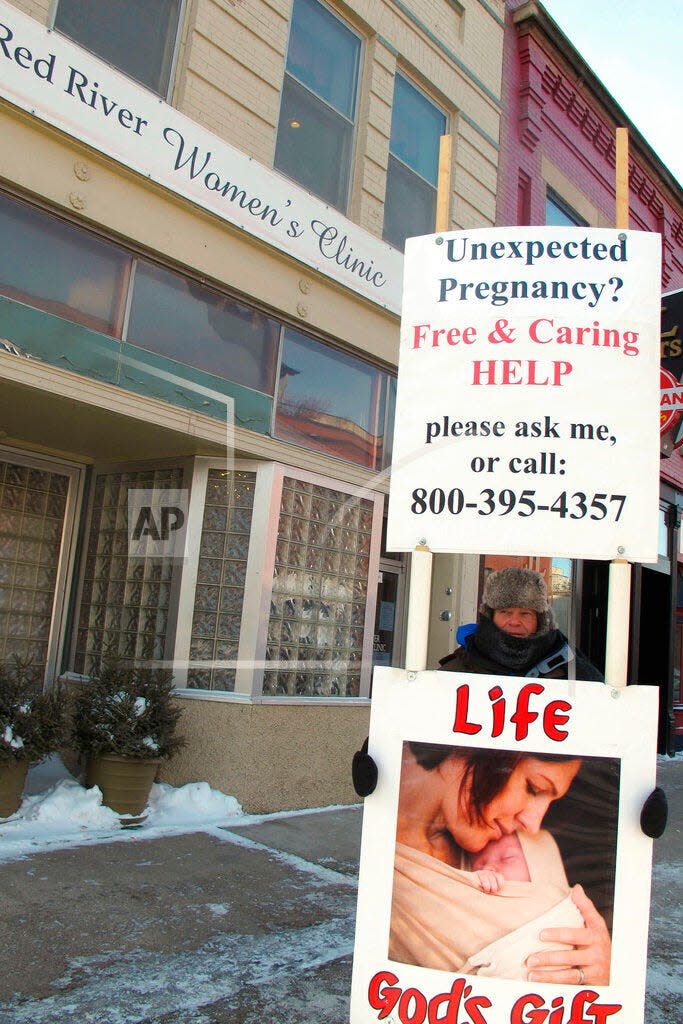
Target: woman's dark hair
(486, 771)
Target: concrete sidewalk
(246, 925)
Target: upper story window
(560, 214)
(136, 36)
(412, 174)
(228, 339)
(47, 263)
(326, 400)
(318, 105)
(331, 402)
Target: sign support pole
(419, 597)
(619, 586)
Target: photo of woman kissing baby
(504, 863)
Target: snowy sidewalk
(213, 926)
(252, 922)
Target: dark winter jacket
(490, 651)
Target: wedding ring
(582, 976)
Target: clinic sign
(52, 78)
(528, 394)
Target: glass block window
(32, 515)
(320, 588)
(221, 576)
(318, 105)
(137, 38)
(124, 601)
(413, 168)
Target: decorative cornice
(530, 96)
(578, 111)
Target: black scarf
(518, 654)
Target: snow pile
(194, 803)
(67, 803)
(57, 812)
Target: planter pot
(12, 779)
(125, 781)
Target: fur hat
(518, 588)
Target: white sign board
(505, 809)
(527, 415)
(61, 83)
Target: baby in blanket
(485, 921)
(501, 860)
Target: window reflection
(560, 214)
(47, 263)
(412, 173)
(416, 127)
(314, 145)
(330, 401)
(323, 54)
(138, 38)
(318, 105)
(179, 318)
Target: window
(318, 606)
(331, 402)
(560, 214)
(124, 599)
(37, 500)
(412, 174)
(279, 601)
(136, 36)
(221, 575)
(318, 105)
(325, 400)
(47, 263)
(186, 321)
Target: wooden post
(443, 193)
(619, 586)
(621, 218)
(419, 597)
(420, 592)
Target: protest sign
(528, 394)
(539, 786)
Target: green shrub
(32, 723)
(126, 710)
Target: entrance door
(37, 513)
(653, 641)
(387, 643)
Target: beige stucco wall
(270, 756)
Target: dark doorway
(653, 629)
(593, 588)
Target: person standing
(517, 635)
